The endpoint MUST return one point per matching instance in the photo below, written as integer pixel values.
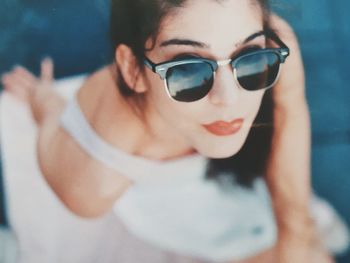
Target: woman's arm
(84, 186)
(288, 171)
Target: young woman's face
(218, 124)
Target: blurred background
(75, 35)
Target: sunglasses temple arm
(273, 36)
(149, 64)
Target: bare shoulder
(84, 185)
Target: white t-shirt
(171, 212)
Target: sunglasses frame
(282, 52)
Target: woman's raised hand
(22, 83)
(36, 91)
(288, 170)
(290, 88)
(290, 157)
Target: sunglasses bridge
(223, 62)
(219, 63)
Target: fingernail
(16, 66)
(47, 59)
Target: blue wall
(74, 33)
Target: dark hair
(132, 23)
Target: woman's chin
(221, 151)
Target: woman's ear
(129, 68)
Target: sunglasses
(191, 79)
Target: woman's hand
(290, 89)
(288, 169)
(35, 91)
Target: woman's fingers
(15, 87)
(291, 84)
(25, 74)
(22, 77)
(23, 84)
(19, 76)
(47, 70)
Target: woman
(188, 80)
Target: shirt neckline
(139, 168)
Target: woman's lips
(222, 128)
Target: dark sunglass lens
(258, 71)
(189, 82)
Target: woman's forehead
(211, 24)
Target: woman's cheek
(256, 100)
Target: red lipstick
(223, 128)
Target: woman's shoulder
(67, 166)
(85, 186)
(68, 86)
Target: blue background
(75, 35)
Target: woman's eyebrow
(184, 42)
(253, 36)
(189, 42)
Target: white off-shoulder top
(171, 213)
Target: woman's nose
(225, 89)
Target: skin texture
(172, 129)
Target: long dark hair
(132, 23)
